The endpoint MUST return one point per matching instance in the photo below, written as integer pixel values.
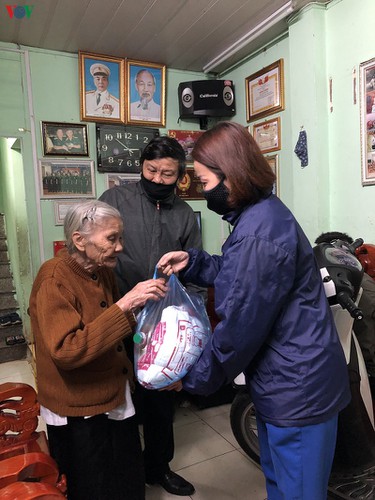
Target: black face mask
(157, 191)
(217, 199)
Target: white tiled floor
(206, 453)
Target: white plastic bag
(170, 337)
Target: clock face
(119, 147)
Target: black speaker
(206, 98)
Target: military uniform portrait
(66, 179)
(101, 92)
(64, 139)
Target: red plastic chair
(24, 453)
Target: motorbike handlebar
(343, 298)
(356, 244)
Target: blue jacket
(276, 324)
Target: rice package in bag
(170, 336)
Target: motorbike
(353, 470)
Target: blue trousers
(297, 461)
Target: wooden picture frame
(64, 139)
(267, 135)
(145, 91)
(367, 116)
(265, 91)
(273, 162)
(101, 93)
(187, 139)
(66, 179)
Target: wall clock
(119, 147)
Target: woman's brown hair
(230, 151)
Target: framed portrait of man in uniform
(64, 139)
(101, 88)
(145, 93)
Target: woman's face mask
(217, 199)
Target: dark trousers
(102, 458)
(156, 412)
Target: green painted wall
(321, 43)
(351, 41)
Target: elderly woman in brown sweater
(84, 377)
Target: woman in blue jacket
(276, 324)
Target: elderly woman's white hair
(83, 217)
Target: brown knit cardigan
(80, 358)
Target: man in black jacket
(156, 221)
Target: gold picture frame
(267, 135)
(265, 91)
(101, 93)
(145, 91)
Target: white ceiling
(183, 34)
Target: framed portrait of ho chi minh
(101, 81)
(145, 91)
(367, 111)
(265, 91)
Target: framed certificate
(267, 135)
(265, 91)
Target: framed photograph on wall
(187, 139)
(367, 92)
(101, 92)
(273, 162)
(121, 179)
(61, 207)
(267, 135)
(66, 179)
(190, 187)
(64, 139)
(265, 91)
(145, 91)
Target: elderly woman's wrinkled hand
(153, 289)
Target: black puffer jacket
(150, 230)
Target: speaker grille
(187, 97)
(206, 98)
